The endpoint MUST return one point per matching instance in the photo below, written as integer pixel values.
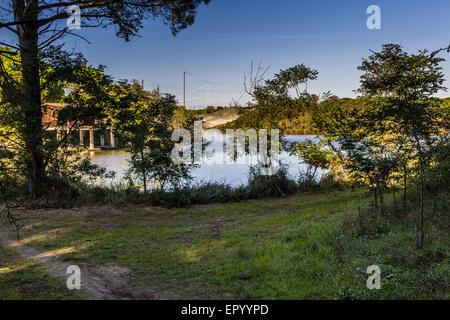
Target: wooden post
(91, 140)
(111, 134)
(81, 138)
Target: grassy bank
(300, 247)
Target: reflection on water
(234, 174)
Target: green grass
(21, 279)
(292, 248)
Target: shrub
(277, 185)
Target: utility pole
(184, 89)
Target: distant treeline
(294, 117)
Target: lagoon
(210, 170)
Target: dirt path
(100, 283)
(220, 117)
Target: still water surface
(231, 173)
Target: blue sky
(328, 35)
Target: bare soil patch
(100, 283)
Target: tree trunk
(381, 201)
(375, 195)
(422, 231)
(422, 195)
(31, 96)
(405, 186)
(144, 172)
(395, 198)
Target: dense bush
(372, 223)
(277, 185)
(437, 176)
(259, 186)
(390, 240)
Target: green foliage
(210, 109)
(188, 194)
(368, 161)
(89, 99)
(277, 89)
(274, 107)
(406, 83)
(390, 238)
(146, 124)
(184, 118)
(437, 177)
(311, 154)
(384, 138)
(43, 67)
(334, 117)
(277, 185)
(291, 116)
(403, 86)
